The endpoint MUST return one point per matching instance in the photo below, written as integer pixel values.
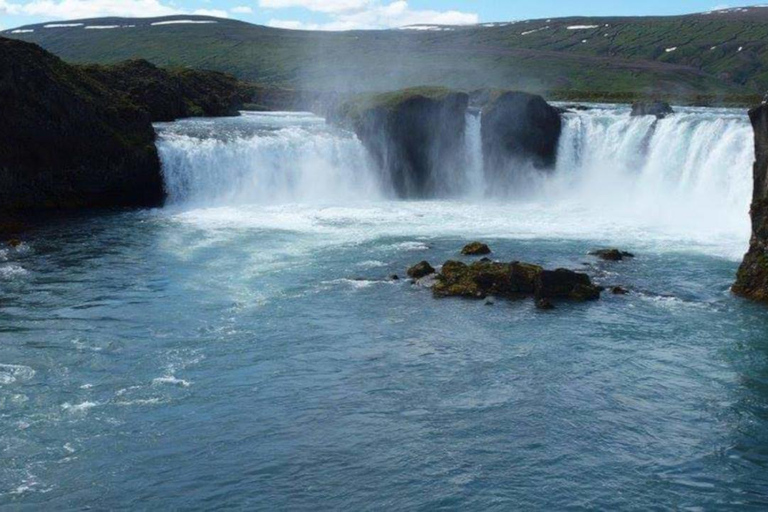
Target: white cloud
(330, 6)
(217, 13)
(373, 15)
(71, 9)
(242, 9)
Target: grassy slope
(624, 58)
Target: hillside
(718, 53)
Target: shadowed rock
(611, 254)
(410, 134)
(519, 128)
(752, 278)
(660, 109)
(66, 141)
(420, 270)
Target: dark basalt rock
(410, 134)
(170, 94)
(480, 280)
(566, 284)
(512, 280)
(14, 242)
(660, 109)
(420, 270)
(752, 278)
(544, 305)
(519, 127)
(476, 249)
(67, 141)
(611, 254)
(618, 290)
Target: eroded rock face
(410, 134)
(660, 109)
(752, 279)
(66, 141)
(519, 128)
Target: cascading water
(694, 166)
(689, 170)
(263, 158)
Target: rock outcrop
(170, 94)
(660, 109)
(519, 128)
(420, 270)
(476, 249)
(752, 279)
(67, 141)
(410, 134)
(611, 254)
(513, 281)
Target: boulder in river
(752, 278)
(660, 109)
(566, 284)
(611, 254)
(420, 270)
(476, 249)
(512, 280)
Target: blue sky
(345, 14)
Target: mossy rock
(476, 249)
(420, 270)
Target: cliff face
(519, 128)
(170, 94)
(66, 141)
(410, 134)
(752, 280)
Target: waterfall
(263, 158)
(695, 165)
(692, 167)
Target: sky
(345, 14)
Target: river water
(244, 348)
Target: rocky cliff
(66, 141)
(518, 129)
(170, 94)
(752, 280)
(409, 134)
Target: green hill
(719, 54)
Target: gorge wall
(752, 280)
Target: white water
(682, 183)
(264, 158)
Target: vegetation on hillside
(717, 55)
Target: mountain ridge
(717, 53)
